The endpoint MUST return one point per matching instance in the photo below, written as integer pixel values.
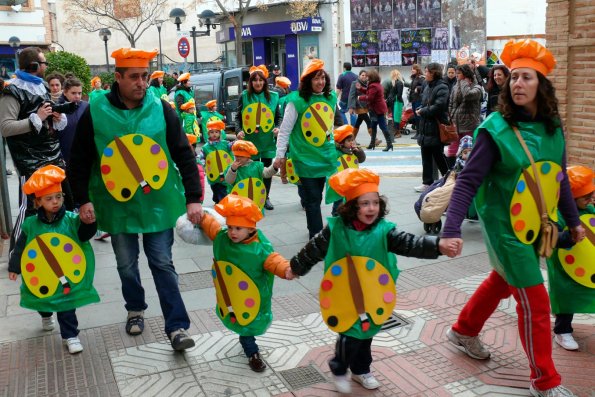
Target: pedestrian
(377, 109)
(276, 69)
(394, 100)
(497, 77)
(571, 289)
(217, 157)
(358, 89)
(244, 256)
(73, 93)
(126, 171)
(496, 174)
(56, 240)
(358, 250)
(342, 88)
(416, 88)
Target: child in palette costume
(245, 176)
(571, 266)
(54, 257)
(243, 257)
(357, 292)
(211, 114)
(189, 122)
(217, 156)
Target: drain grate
(394, 321)
(300, 377)
(195, 280)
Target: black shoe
(180, 340)
(414, 136)
(256, 364)
(386, 149)
(268, 205)
(135, 324)
(371, 146)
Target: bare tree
(131, 17)
(299, 9)
(235, 11)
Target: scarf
(28, 77)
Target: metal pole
(194, 45)
(106, 57)
(160, 53)
(16, 59)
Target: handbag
(448, 132)
(548, 236)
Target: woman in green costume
(156, 86)
(507, 201)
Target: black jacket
(392, 93)
(434, 105)
(416, 88)
(399, 242)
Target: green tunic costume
(344, 161)
(96, 93)
(258, 122)
(135, 187)
(190, 124)
(570, 271)
(311, 139)
(249, 183)
(506, 199)
(357, 292)
(186, 96)
(244, 288)
(217, 157)
(207, 116)
(56, 267)
(157, 91)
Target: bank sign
(301, 26)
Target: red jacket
(375, 98)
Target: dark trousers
(249, 345)
(563, 324)
(312, 189)
(67, 321)
(414, 106)
(363, 117)
(352, 353)
(429, 154)
(219, 191)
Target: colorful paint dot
(546, 168)
(263, 191)
(32, 254)
(241, 185)
(338, 163)
(249, 302)
(306, 124)
(34, 281)
(77, 272)
(249, 109)
(325, 108)
(579, 272)
(516, 209)
(137, 139)
(214, 274)
(44, 289)
(110, 185)
(380, 311)
(530, 235)
(30, 267)
(336, 270)
(155, 149)
(519, 225)
(106, 169)
(257, 183)
(332, 321)
(308, 115)
(326, 285)
(315, 139)
(54, 241)
(228, 270)
(592, 222)
(156, 178)
(569, 259)
(243, 285)
(76, 259)
(162, 164)
(108, 152)
(317, 106)
(559, 176)
(388, 297)
(325, 303)
(247, 117)
(245, 315)
(383, 279)
(520, 187)
(67, 247)
(370, 264)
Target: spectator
(343, 86)
(55, 81)
(394, 100)
(276, 73)
(358, 89)
(73, 91)
(496, 79)
(416, 88)
(377, 108)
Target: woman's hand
(240, 135)
(13, 276)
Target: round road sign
(183, 47)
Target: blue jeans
(344, 111)
(249, 345)
(68, 323)
(312, 189)
(157, 248)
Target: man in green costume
(124, 171)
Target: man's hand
(44, 111)
(194, 213)
(451, 247)
(56, 116)
(87, 213)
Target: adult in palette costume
(130, 153)
(507, 202)
(156, 86)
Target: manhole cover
(195, 280)
(300, 377)
(393, 321)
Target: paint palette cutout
(49, 258)
(216, 163)
(339, 311)
(577, 261)
(525, 218)
(317, 123)
(253, 188)
(258, 117)
(130, 162)
(292, 176)
(347, 161)
(237, 295)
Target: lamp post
(105, 35)
(204, 19)
(15, 42)
(159, 24)
(177, 16)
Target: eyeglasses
(43, 63)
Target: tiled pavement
(410, 360)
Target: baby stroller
(434, 201)
(406, 118)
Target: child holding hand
(217, 156)
(357, 292)
(244, 267)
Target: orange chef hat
(133, 58)
(184, 76)
(188, 105)
(260, 68)
(528, 53)
(95, 80)
(239, 211)
(156, 74)
(581, 180)
(283, 82)
(353, 182)
(244, 148)
(216, 125)
(314, 66)
(342, 132)
(44, 181)
(211, 104)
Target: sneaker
(566, 341)
(558, 391)
(368, 381)
(342, 384)
(135, 323)
(421, 188)
(268, 205)
(180, 340)
(74, 345)
(101, 235)
(471, 344)
(256, 363)
(47, 323)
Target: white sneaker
(342, 384)
(368, 381)
(566, 341)
(101, 235)
(421, 188)
(74, 345)
(558, 391)
(47, 323)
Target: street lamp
(204, 19)
(105, 35)
(177, 16)
(159, 24)
(15, 42)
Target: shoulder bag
(448, 132)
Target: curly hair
(466, 71)
(547, 104)
(491, 82)
(305, 87)
(55, 76)
(348, 210)
(265, 86)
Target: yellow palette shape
(317, 123)
(292, 176)
(37, 270)
(525, 218)
(216, 164)
(578, 261)
(238, 290)
(347, 161)
(253, 188)
(336, 303)
(130, 162)
(258, 117)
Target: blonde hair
(396, 75)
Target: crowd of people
(128, 152)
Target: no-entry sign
(183, 47)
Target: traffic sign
(183, 47)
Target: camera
(66, 107)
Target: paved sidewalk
(411, 359)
